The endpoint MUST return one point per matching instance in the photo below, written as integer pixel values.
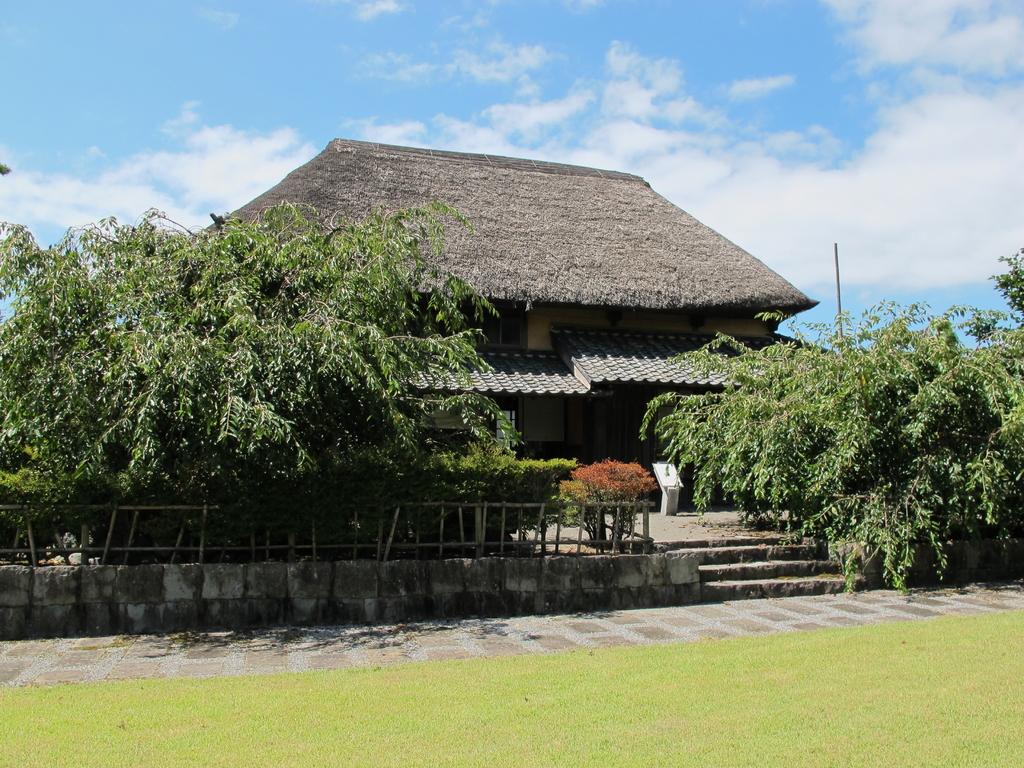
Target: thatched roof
(546, 232)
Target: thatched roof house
(547, 232)
(600, 280)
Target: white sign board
(668, 479)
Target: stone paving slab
(209, 654)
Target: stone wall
(63, 601)
(967, 561)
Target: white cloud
(367, 11)
(931, 199)
(526, 118)
(396, 66)
(222, 19)
(185, 120)
(643, 88)
(757, 87)
(500, 62)
(410, 133)
(980, 36)
(210, 169)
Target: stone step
(720, 591)
(734, 541)
(751, 554)
(772, 569)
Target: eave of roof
(618, 357)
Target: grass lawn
(946, 692)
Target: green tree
(892, 434)
(246, 360)
(4, 170)
(1011, 283)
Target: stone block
(687, 594)
(561, 574)
(266, 581)
(141, 618)
(224, 613)
(458, 604)
(633, 571)
(495, 603)
(98, 583)
(596, 572)
(447, 576)
(356, 611)
(180, 615)
(55, 585)
(401, 577)
(561, 600)
(59, 620)
(486, 574)
(523, 574)
(13, 622)
(354, 580)
(265, 612)
(15, 585)
(139, 584)
(306, 610)
(309, 580)
(223, 582)
(590, 600)
(682, 569)
(183, 582)
(100, 618)
(371, 610)
(393, 610)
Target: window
(505, 330)
(510, 409)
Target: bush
(606, 481)
(488, 472)
(892, 434)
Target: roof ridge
(500, 161)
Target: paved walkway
(41, 662)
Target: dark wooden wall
(612, 426)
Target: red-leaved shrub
(608, 480)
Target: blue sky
(892, 127)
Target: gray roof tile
(526, 373)
(630, 356)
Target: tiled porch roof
(600, 357)
(588, 358)
(526, 373)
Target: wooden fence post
(84, 544)
(31, 543)
(391, 535)
(110, 536)
(131, 535)
(478, 528)
(202, 536)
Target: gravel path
(45, 662)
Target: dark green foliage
(248, 365)
(1011, 283)
(893, 434)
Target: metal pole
(839, 293)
